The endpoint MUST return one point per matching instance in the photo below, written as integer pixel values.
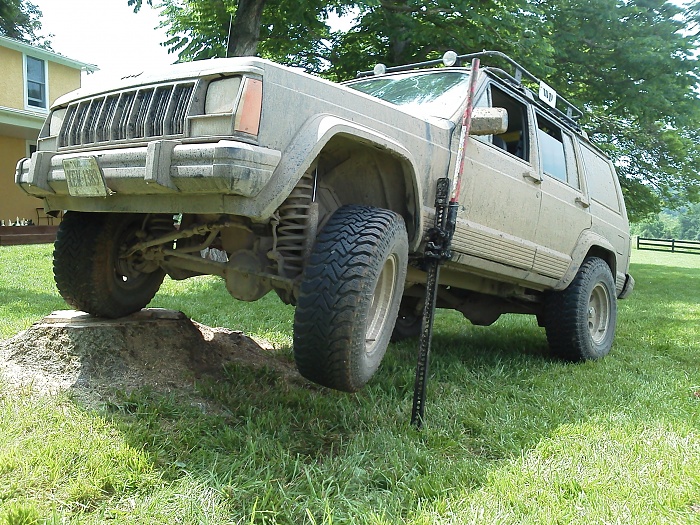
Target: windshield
(433, 93)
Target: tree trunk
(245, 28)
(396, 15)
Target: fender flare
(310, 140)
(587, 240)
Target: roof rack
(450, 58)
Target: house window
(36, 83)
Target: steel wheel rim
(382, 299)
(599, 313)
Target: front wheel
(93, 268)
(349, 297)
(580, 320)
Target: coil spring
(159, 224)
(293, 225)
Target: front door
(500, 196)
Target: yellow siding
(12, 79)
(13, 201)
(62, 79)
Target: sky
(105, 33)
(108, 34)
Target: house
(32, 79)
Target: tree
(664, 225)
(289, 31)
(631, 65)
(672, 224)
(397, 32)
(689, 223)
(21, 20)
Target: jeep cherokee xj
(323, 193)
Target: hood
(185, 70)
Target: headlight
(232, 105)
(222, 95)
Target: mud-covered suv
(323, 193)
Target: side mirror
(489, 121)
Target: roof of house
(44, 54)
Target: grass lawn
(512, 436)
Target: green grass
(512, 436)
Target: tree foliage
(397, 32)
(289, 31)
(630, 64)
(21, 20)
(672, 224)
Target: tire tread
(327, 317)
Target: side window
(600, 176)
(557, 152)
(515, 139)
(35, 76)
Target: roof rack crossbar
(567, 117)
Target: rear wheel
(92, 268)
(350, 296)
(580, 321)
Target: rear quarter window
(601, 178)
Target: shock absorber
(294, 224)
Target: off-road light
(449, 58)
(379, 69)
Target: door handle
(531, 177)
(584, 203)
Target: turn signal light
(249, 107)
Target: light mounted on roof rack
(450, 58)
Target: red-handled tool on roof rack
(437, 250)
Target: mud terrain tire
(349, 297)
(89, 270)
(580, 320)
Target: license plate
(84, 178)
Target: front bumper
(224, 168)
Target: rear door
(565, 206)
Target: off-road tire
(88, 270)
(349, 296)
(580, 320)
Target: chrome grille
(154, 111)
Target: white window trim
(27, 146)
(28, 106)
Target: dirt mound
(161, 349)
